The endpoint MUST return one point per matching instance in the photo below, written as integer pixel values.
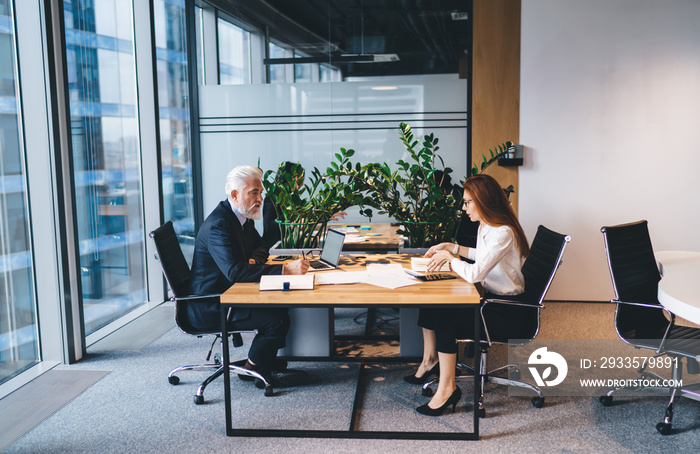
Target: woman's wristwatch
(455, 251)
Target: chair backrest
(172, 260)
(541, 264)
(635, 276)
(633, 269)
(538, 270)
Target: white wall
(308, 123)
(609, 114)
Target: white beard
(250, 212)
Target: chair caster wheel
(538, 402)
(606, 400)
(481, 412)
(174, 380)
(428, 392)
(268, 391)
(198, 400)
(664, 428)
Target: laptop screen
(332, 247)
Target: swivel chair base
(665, 427)
(219, 369)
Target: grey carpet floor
(134, 409)
(140, 332)
(31, 404)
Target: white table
(679, 288)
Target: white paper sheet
(345, 229)
(391, 281)
(390, 275)
(355, 238)
(340, 277)
(378, 269)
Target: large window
(199, 20)
(277, 72)
(328, 74)
(106, 157)
(234, 54)
(302, 72)
(18, 328)
(175, 140)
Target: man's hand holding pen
(298, 266)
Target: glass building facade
(174, 113)
(19, 348)
(106, 157)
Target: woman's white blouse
(497, 262)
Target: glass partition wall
(338, 73)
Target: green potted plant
(305, 205)
(418, 193)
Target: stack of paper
(421, 264)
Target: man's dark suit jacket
(221, 254)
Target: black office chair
(538, 270)
(177, 274)
(640, 320)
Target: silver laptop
(330, 254)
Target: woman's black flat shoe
(425, 378)
(452, 400)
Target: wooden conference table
(444, 293)
(679, 288)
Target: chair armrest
(637, 303)
(237, 339)
(195, 298)
(511, 303)
(671, 316)
(504, 302)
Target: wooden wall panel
(496, 83)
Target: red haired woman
(501, 249)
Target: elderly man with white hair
(228, 249)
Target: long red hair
(494, 208)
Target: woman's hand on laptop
(298, 266)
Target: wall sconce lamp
(513, 157)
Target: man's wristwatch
(455, 251)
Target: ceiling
(422, 33)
